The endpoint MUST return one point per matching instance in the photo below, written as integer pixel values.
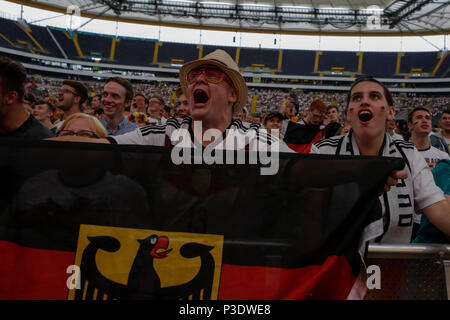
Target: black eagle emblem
(143, 280)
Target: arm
(79, 139)
(439, 215)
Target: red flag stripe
(29, 274)
(332, 280)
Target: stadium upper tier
(59, 43)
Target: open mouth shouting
(201, 97)
(365, 116)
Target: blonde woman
(82, 125)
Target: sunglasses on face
(82, 133)
(212, 75)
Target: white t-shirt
(432, 156)
(410, 195)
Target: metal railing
(411, 272)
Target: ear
(232, 96)
(11, 97)
(391, 113)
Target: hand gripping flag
(87, 221)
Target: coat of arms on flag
(125, 263)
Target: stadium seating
(82, 45)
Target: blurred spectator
(15, 121)
(117, 94)
(182, 106)
(391, 130)
(331, 115)
(419, 125)
(401, 128)
(444, 124)
(332, 128)
(96, 102)
(166, 112)
(43, 111)
(290, 111)
(139, 119)
(71, 97)
(273, 121)
(154, 111)
(139, 104)
(346, 127)
(315, 113)
(28, 101)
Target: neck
(390, 131)
(74, 109)
(200, 127)
(14, 117)
(369, 146)
(154, 114)
(446, 133)
(47, 123)
(421, 141)
(114, 120)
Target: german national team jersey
(156, 121)
(432, 156)
(179, 132)
(401, 202)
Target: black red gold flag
(87, 221)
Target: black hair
(411, 114)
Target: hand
(393, 178)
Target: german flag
(87, 221)
(300, 137)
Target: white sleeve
(132, 137)
(444, 155)
(425, 190)
(314, 149)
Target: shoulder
(402, 144)
(441, 154)
(328, 145)
(35, 129)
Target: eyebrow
(361, 92)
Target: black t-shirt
(30, 129)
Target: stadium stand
(84, 46)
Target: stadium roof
(327, 17)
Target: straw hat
(223, 61)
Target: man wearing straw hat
(216, 91)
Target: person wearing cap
(216, 91)
(273, 120)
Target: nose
(201, 78)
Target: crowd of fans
(268, 99)
(115, 111)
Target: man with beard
(71, 96)
(216, 91)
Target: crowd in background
(268, 99)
